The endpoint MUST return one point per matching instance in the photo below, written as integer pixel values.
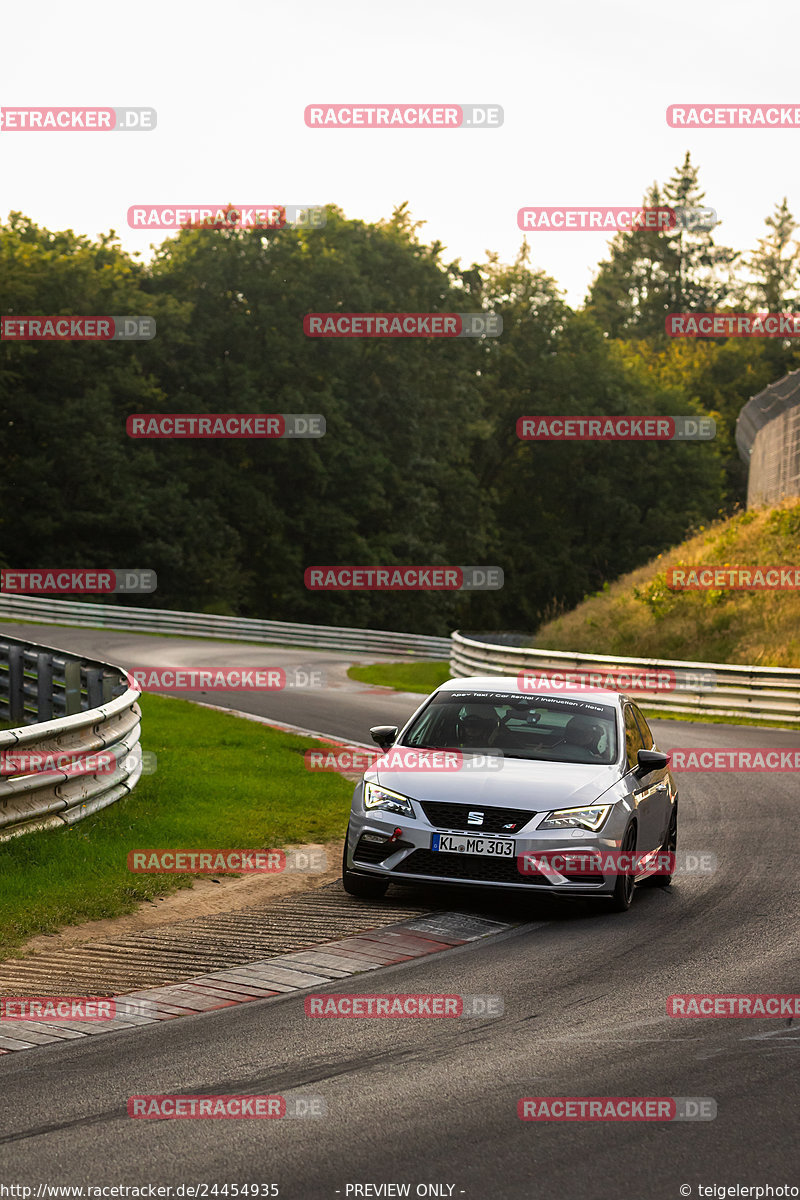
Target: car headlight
(577, 818)
(381, 797)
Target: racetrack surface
(319, 708)
(435, 1101)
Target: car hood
(514, 783)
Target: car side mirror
(384, 735)
(650, 760)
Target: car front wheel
(623, 889)
(669, 847)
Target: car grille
(479, 867)
(465, 866)
(455, 816)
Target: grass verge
(221, 782)
(403, 676)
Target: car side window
(649, 740)
(633, 738)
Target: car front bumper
(375, 848)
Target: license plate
(496, 847)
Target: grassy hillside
(638, 616)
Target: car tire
(363, 886)
(622, 895)
(670, 845)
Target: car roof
(510, 683)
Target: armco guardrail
(63, 705)
(690, 687)
(210, 625)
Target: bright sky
(584, 87)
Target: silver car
(489, 785)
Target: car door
(646, 794)
(664, 793)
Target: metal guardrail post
(16, 680)
(44, 686)
(72, 688)
(94, 686)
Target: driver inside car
(585, 734)
(478, 728)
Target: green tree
(630, 294)
(570, 515)
(774, 264)
(701, 274)
(421, 462)
(72, 492)
(392, 481)
(650, 273)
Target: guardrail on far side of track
(714, 689)
(211, 625)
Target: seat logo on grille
(475, 818)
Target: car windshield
(547, 728)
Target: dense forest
(421, 463)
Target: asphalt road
(320, 706)
(434, 1102)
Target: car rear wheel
(623, 889)
(363, 886)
